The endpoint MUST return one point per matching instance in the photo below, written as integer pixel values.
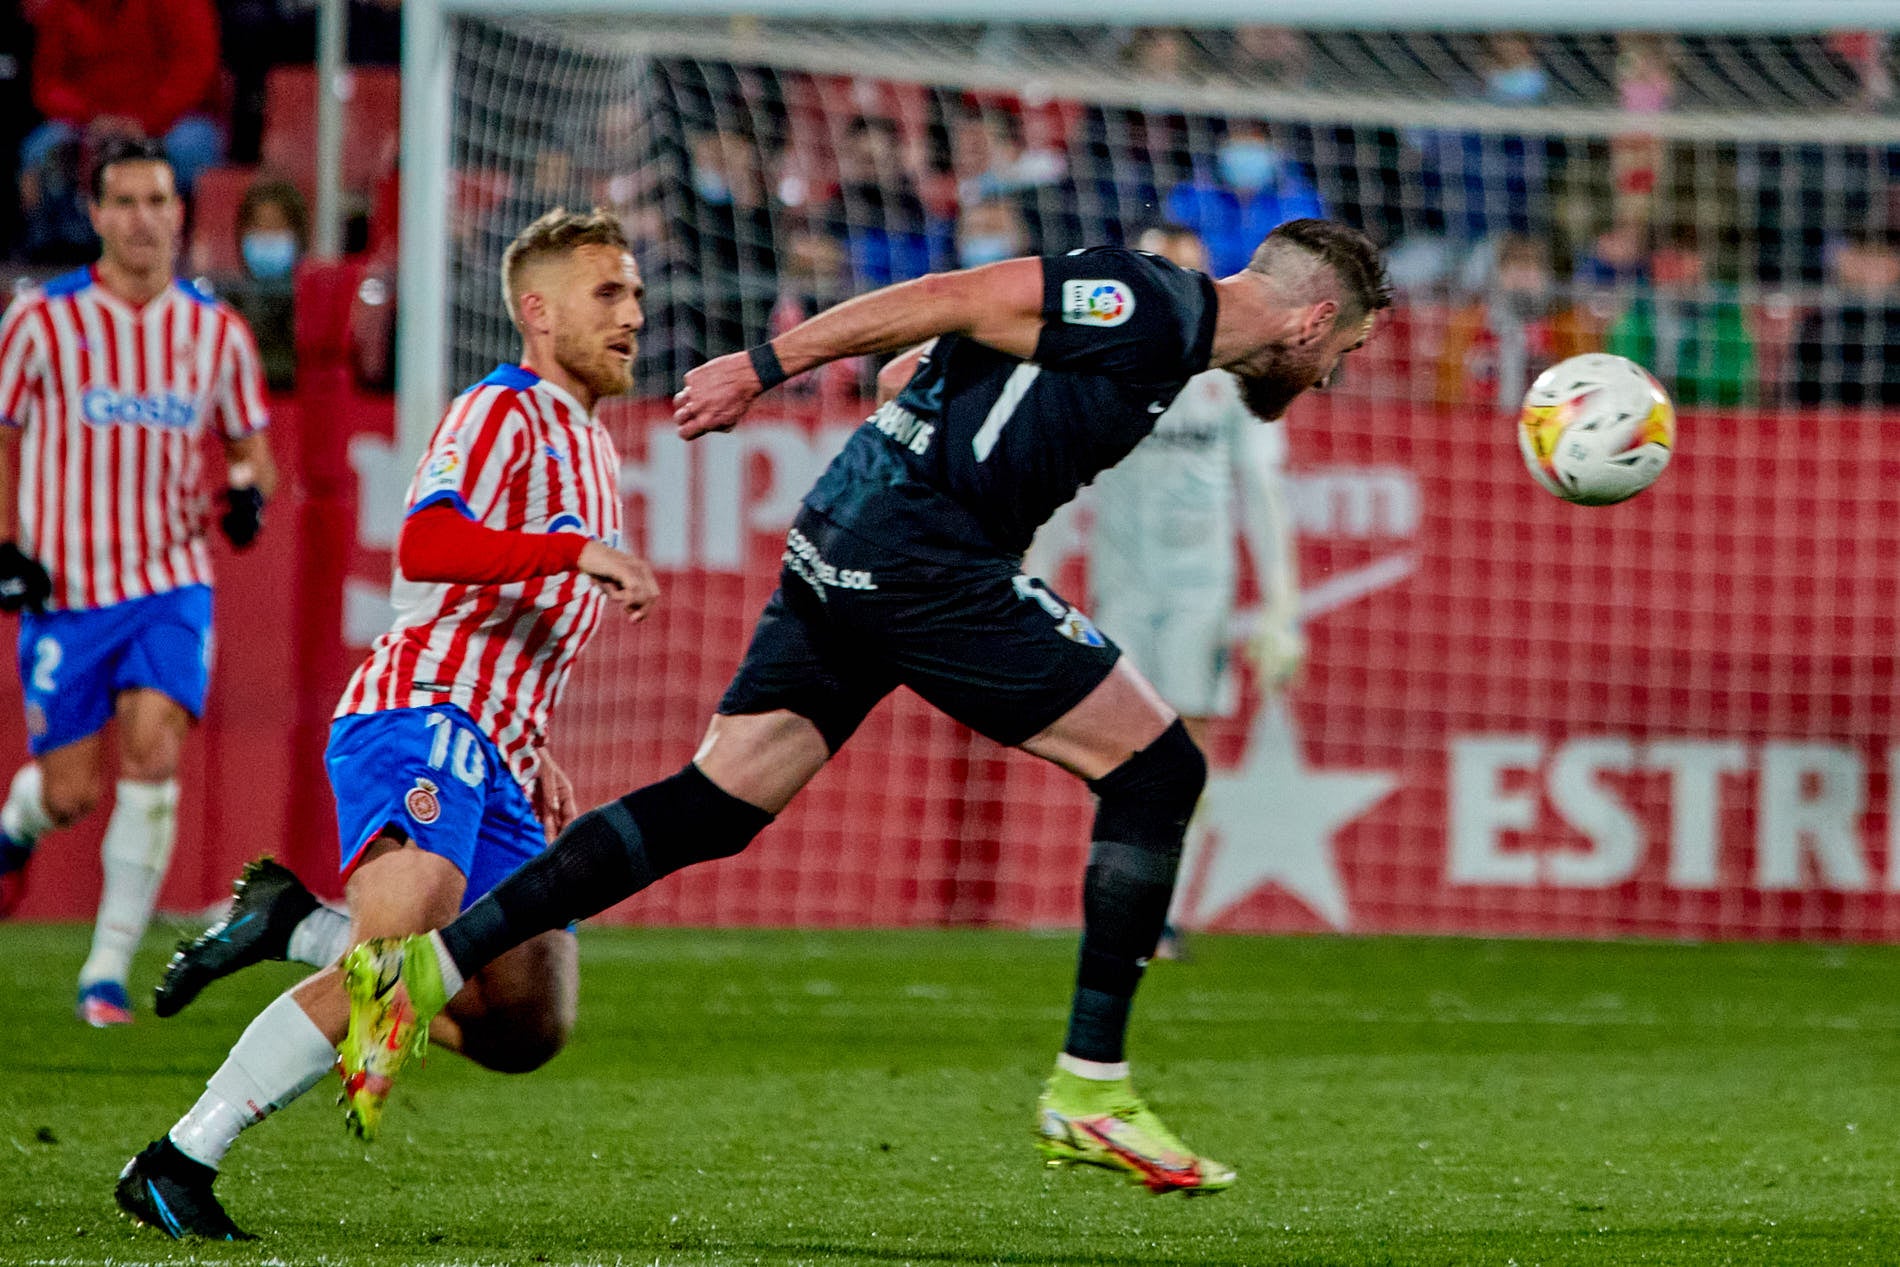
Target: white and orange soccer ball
(1596, 429)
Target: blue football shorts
(73, 664)
(433, 775)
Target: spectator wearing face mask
(1472, 186)
(724, 236)
(989, 231)
(1255, 188)
(273, 232)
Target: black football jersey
(980, 447)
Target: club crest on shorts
(422, 802)
(1079, 628)
(1070, 622)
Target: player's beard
(594, 364)
(1270, 390)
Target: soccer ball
(1596, 429)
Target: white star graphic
(1271, 820)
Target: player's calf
(517, 1042)
(1140, 820)
(518, 1012)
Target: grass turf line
(865, 1098)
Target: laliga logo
(1096, 303)
(1106, 304)
(103, 407)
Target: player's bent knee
(67, 800)
(676, 822)
(1147, 800)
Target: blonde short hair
(556, 233)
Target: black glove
(243, 517)
(23, 582)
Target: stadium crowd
(1742, 271)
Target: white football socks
(320, 938)
(136, 851)
(24, 818)
(1093, 1070)
(451, 975)
(280, 1055)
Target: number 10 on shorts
(468, 765)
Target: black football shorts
(850, 622)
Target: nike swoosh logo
(224, 934)
(164, 1211)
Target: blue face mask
(270, 254)
(1248, 164)
(985, 248)
(1516, 85)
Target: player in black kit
(904, 568)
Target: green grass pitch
(865, 1098)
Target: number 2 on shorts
(46, 658)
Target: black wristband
(765, 365)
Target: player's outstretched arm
(997, 304)
(439, 546)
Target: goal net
(1667, 718)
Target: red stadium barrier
(1668, 718)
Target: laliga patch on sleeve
(1096, 303)
(441, 472)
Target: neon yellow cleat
(1084, 1122)
(395, 989)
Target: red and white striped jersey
(113, 402)
(517, 454)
